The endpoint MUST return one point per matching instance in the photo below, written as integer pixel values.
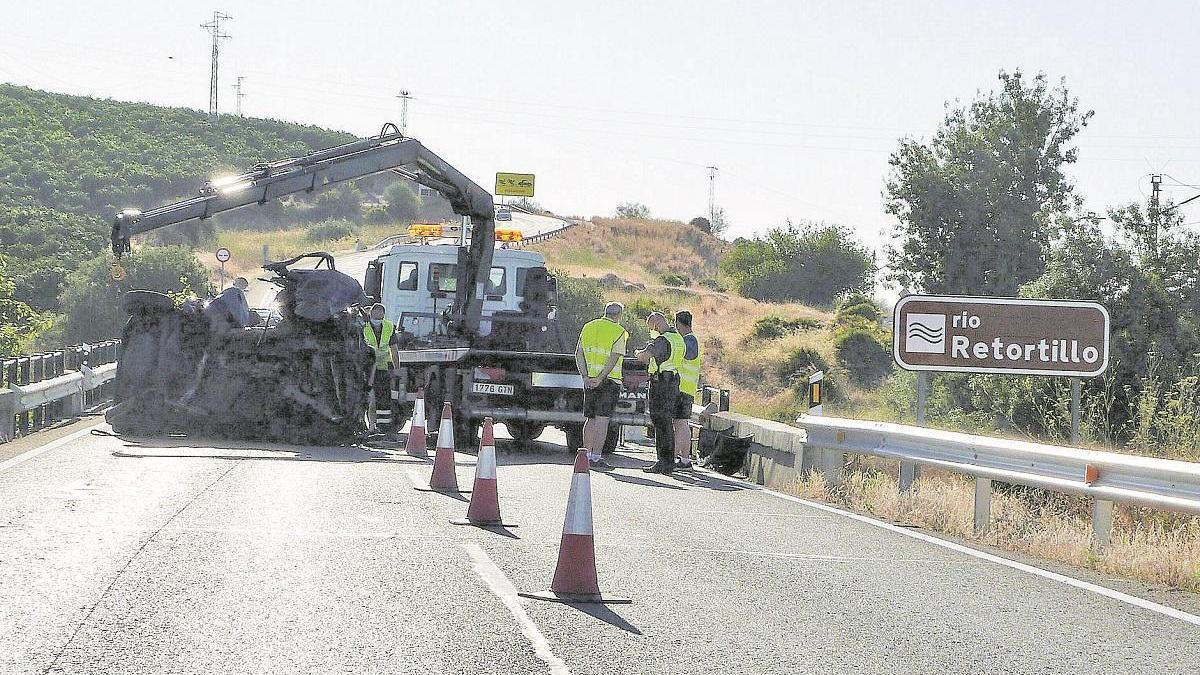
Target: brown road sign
(1014, 336)
(514, 184)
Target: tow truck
(478, 323)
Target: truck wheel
(574, 438)
(524, 431)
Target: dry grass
(245, 246)
(636, 250)
(1152, 547)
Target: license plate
(493, 388)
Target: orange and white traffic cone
(575, 577)
(444, 478)
(484, 509)
(414, 445)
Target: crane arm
(385, 152)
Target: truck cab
(418, 282)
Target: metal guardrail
(1105, 477)
(546, 235)
(40, 389)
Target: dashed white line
(503, 588)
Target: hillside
(69, 162)
(626, 260)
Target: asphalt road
(187, 556)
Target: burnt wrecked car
(192, 369)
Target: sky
(798, 104)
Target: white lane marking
(30, 454)
(500, 585)
(793, 556)
(757, 513)
(967, 550)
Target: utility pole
(404, 97)
(1154, 215)
(240, 94)
(712, 195)
(214, 27)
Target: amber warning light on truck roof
(425, 230)
(509, 235)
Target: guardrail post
(8, 409)
(832, 461)
(909, 471)
(1102, 518)
(983, 505)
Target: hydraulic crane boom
(389, 151)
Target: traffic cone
(575, 578)
(444, 479)
(484, 509)
(414, 445)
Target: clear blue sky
(798, 103)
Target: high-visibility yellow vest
(689, 373)
(673, 362)
(383, 352)
(598, 338)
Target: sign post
(1008, 336)
(815, 395)
(514, 184)
(223, 256)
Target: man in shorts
(598, 357)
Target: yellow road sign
(514, 184)
(118, 272)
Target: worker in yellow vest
(664, 354)
(689, 385)
(598, 357)
(380, 336)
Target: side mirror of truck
(373, 281)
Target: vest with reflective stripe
(597, 338)
(672, 364)
(383, 353)
(689, 373)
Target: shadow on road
(638, 480)
(603, 613)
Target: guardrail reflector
(1090, 474)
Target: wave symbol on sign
(932, 335)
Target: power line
(214, 27)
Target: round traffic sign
(223, 254)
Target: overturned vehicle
(194, 369)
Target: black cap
(684, 317)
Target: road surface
(191, 556)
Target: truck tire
(466, 434)
(524, 431)
(574, 438)
(610, 441)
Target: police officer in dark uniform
(664, 354)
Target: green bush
(673, 279)
(714, 285)
(91, 299)
(330, 230)
(403, 203)
(813, 263)
(864, 310)
(862, 352)
(376, 213)
(800, 363)
(641, 307)
(772, 327)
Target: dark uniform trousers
(663, 399)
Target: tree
(701, 224)
(813, 263)
(91, 300)
(18, 322)
(633, 211)
(975, 205)
(719, 224)
(402, 201)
